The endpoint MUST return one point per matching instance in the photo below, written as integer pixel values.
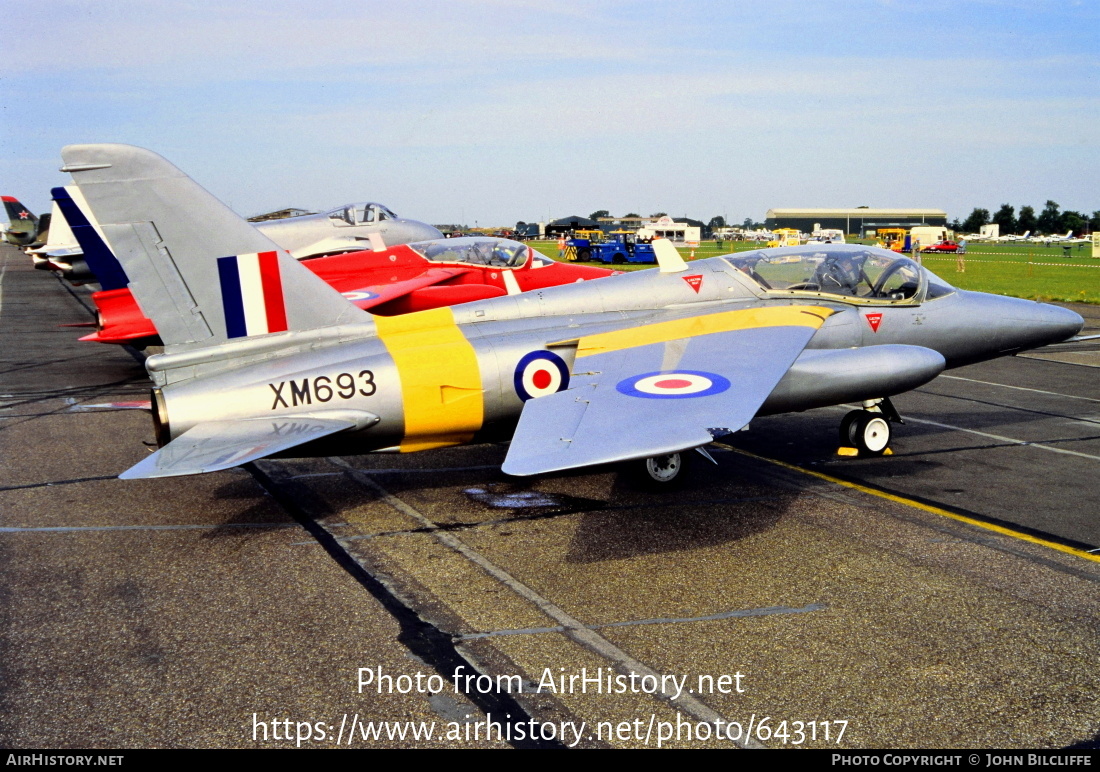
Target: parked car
(942, 246)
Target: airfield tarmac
(940, 597)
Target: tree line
(1050, 221)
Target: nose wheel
(865, 432)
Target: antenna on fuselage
(667, 257)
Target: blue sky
(497, 111)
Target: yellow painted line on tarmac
(918, 505)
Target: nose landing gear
(867, 432)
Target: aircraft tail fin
(23, 225)
(101, 260)
(202, 274)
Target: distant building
(570, 224)
(852, 221)
(667, 228)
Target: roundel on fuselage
(540, 373)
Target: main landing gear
(867, 432)
(666, 471)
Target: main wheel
(868, 432)
(664, 469)
(619, 258)
(657, 472)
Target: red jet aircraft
(399, 280)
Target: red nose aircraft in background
(399, 280)
(403, 278)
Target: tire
(584, 255)
(867, 432)
(847, 437)
(871, 432)
(664, 469)
(619, 258)
(658, 472)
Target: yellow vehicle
(786, 237)
(892, 238)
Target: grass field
(1022, 270)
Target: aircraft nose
(1062, 322)
(1045, 324)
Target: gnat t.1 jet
(263, 358)
(349, 228)
(398, 280)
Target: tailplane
(201, 273)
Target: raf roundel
(675, 384)
(540, 373)
(359, 295)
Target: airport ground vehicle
(786, 237)
(620, 248)
(922, 236)
(579, 245)
(262, 357)
(894, 239)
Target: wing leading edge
(661, 388)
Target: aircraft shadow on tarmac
(618, 516)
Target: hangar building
(569, 224)
(852, 221)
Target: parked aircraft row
(1026, 237)
(390, 280)
(263, 356)
(349, 228)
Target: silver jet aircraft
(349, 228)
(264, 358)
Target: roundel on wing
(540, 373)
(360, 295)
(674, 384)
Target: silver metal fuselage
(321, 234)
(373, 369)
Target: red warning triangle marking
(695, 282)
(873, 320)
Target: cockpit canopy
(502, 253)
(361, 214)
(868, 273)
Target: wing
(216, 445)
(376, 294)
(661, 388)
